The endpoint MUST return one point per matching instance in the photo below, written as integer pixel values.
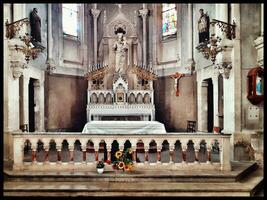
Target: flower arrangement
(100, 164)
(123, 162)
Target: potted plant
(100, 166)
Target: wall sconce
(211, 48)
(228, 29)
(30, 51)
(14, 27)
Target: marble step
(240, 171)
(247, 187)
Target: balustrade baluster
(209, 154)
(58, 154)
(96, 154)
(146, 154)
(184, 154)
(84, 153)
(71, 149)
(134, 155)
(196, 147)
(158, 155)
(46, 150)
(109, 153)
(34, 149)
(171, 154)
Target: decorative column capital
(50, 66)
(95, 12)
(17, 68)
(224, 69)
(144, 12)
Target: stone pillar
(50, 62)
(215, 100)
(95, 12)
(155, 32)
(202, 106)
(143, 12)
(18, 154)
(225, 154)
(26, 81)
(190, 34)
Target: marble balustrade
(171, 150)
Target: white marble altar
(124, 127)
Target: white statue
(121, 50)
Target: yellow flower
(118, 154)
(130, 151)
(121, 165)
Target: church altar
(124, 127)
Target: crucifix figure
(176, 78)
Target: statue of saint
(121, 50)
(203, 27)
(35, 22)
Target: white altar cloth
(124, 127)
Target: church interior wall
(250, 15)
(65, 103)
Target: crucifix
(176, 78)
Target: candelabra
(96, 71)
(30, 51)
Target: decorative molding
(17, 68)
(13, 28)
(51, 66)
(224, 69)
(95, 12)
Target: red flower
(108, 162)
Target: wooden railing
(182, 149)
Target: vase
(100, 170)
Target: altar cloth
(124, 127)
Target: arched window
(70, 19)
(169, 19)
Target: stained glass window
(169, 19)
(70, 19)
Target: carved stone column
(51, 66)
(144, 12)
(95, 12)
(190, 61)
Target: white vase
(100, 170)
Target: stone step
(246, 187)
(240, 170)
